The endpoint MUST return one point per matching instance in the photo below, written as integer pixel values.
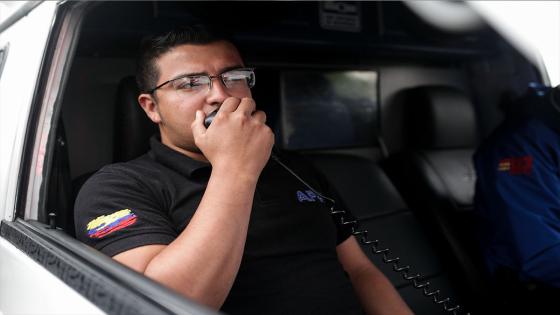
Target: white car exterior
(22, 279)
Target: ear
(149, 106)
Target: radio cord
(362, 236)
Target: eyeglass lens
(234, 79)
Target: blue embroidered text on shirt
(308, 196)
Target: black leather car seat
(437, 178)
(133, 128)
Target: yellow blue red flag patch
(106, 224)
(521, 165)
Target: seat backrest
(442, 138)
(132, 130)
(436, 174)
(132, 127)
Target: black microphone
(209, 118)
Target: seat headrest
(133, 128)
(440, 117)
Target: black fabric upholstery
(439, 117)
(132, 127)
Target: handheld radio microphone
(208, 120)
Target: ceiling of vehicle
(285, 29)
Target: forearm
(376, 293)
(203, 261)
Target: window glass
(328, 109)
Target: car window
(342, 103)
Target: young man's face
(174, 109)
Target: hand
(238, 140)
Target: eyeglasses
(232, 79)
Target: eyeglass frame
(211, 77)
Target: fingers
(260, 116)
(230, 105)
(197, 126)
(247, 106)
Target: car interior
(388, 108)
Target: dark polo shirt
(289, 265)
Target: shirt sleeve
(518, 200)
(116, 211)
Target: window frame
(109, 285)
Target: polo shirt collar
(175, 160)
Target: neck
(195, 155)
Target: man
(205, 212)
(518, 195)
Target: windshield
(530, 26)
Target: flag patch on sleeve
(107, 224)
(516, 165)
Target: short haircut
(147, 72)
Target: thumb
(197, 126)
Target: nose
(218, 92)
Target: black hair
(152, 47)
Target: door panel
(28, 288)
(27, 39)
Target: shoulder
(138, 176)
(533, 128)
(138, 170)
(126, 190)
(520, 135)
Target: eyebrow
(226, 69)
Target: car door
(42, 269)
(25, 285)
